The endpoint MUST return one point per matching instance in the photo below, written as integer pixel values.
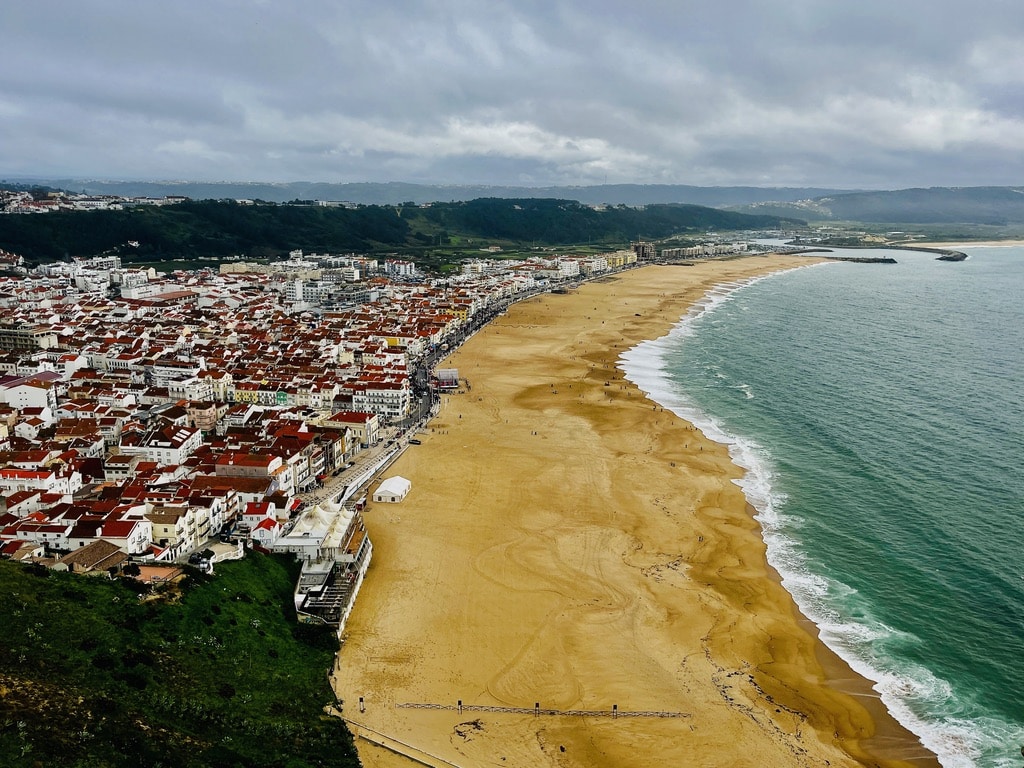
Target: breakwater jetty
(944, 254)
(856, 259)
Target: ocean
(877, 411)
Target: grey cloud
(787, 92)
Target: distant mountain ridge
(395, 193)
(998, 206)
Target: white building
(170, 445)
(32, 393)
(390, 400)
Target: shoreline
(630, 570)
(892, 739)
(974, 243)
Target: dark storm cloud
(743, 92)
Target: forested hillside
(204, 228)
(222, 229)
(558, 222)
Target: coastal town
(157, 423)
(153, 420)
(511, 384)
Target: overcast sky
(837, 93)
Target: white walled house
(31, 394)
(170, 445)
(266, 533)
(47, 481)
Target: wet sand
(568, 543)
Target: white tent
(394, 489)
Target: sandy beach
(982, 243)
(570, 544)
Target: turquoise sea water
(879, 413)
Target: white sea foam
(922, 702)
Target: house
(47, 481)
(85, 531)
(204, 415)
(309, 535)
(28, 429)
(121, 466)
(255, 513)
(266, 533)
(42, 532)
(33, 392)
(99, 555)
(387, 397)
(21, 551)
(170, 444)
(20, 503)
(246, 489)
(174, 529)
(247, 465)
(134, 536)
(213, 509)
(364, 426)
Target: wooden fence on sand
(537, 711)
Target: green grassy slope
(91, 676)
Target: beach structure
(447, 378)
(331, 541)
(392, 490)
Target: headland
(569, 544)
